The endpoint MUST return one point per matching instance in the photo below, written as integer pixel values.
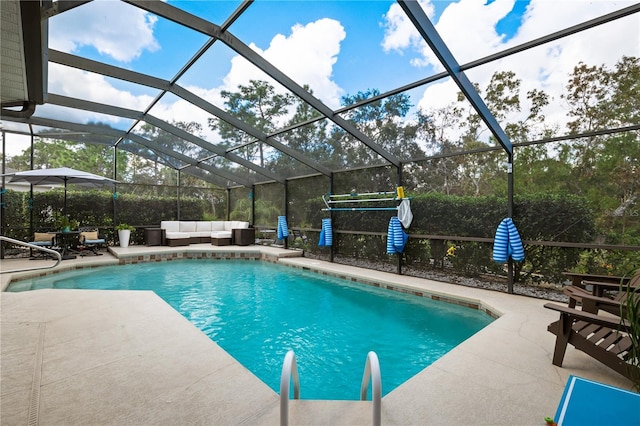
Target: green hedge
(95, 208)
(538, 218)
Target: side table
(154, 236)
(244, 236)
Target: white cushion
(203, 226)
(238, 224)
(221, 234)
(200, 234)
(176, 235)
(217, 225)
(170, 225)
(187, 226)
(214, 229)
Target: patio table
(65, 240)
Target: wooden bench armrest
(594, 277)
(605, 321)
(606, 285)
(580, 294)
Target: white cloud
(93, 87)
(15, 143)
(181, 110)
(468, 27)
(113, 28)
(306, 55)
(400, 33)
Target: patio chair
(603, 337)
(42, 239)
(596, 300)
(90, 240)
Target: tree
(606, 167)
(258, 106)
(53, 153)
(384, 122)
(457, 128)
(310, 140)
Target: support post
(115, 186)
(286, 209)
(253, 205)
(31, 155)
(2, 191)
(399, 255)
(510, 270)
(228, 206)
(178, 194)
(333, 225)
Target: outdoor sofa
(217, 232)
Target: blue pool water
(257, 311)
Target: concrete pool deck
(87, 357)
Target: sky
(338, 48)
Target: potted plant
(124, 233)
(64, 224)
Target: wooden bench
(605, 338)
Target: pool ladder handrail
(289, 369)
(32, 246)
(371, 374)
(372, 371)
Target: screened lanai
(257, 109)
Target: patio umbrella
(62, 175)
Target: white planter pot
(123, 236)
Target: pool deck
(87, 357)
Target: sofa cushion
(221, 234)
(170, 225)
(238, 224)
(199, 234)
(42, 237)
(88, 235)
(187, 226)
(203, 226)
(177, 235)
(217, 225)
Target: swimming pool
(257, 311)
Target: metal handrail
(289, 368)
(32, 246)
(372, 370)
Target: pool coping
(141, 254)
(471, 303)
